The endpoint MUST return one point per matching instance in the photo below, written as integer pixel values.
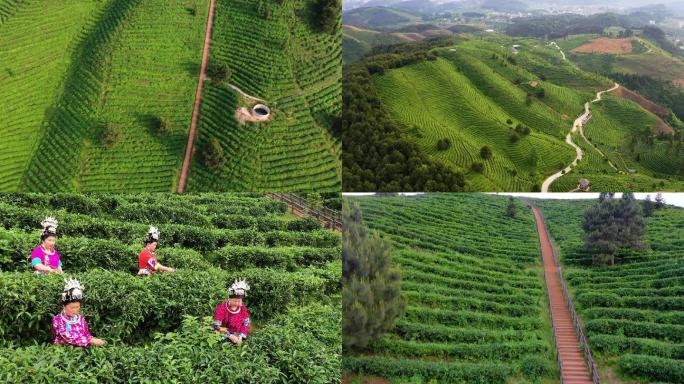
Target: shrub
(162, 125)
(443, 144)
(218, 73)
(486, 152)
(653, 368)
(141, 306)
(535, 368)
(110, 136)
(214, 156)
(477, 167)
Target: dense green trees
(328, 15)
(612, 224)
(375, 157)
(371, 287)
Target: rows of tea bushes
(633, 312)
(300, 346)
(476, 309)
(291, 263)
(274, 54)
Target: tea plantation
(97, 96)
(476, 304)
(633, 312)
(157, 328)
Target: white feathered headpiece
(73, 290)
(153, 233)
(239, 288)
(49, 225)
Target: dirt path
(183, 179)
(240, 91)
(573, 367)
(578, 125)
(559, 48)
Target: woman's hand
(97, 342)
(235, 339)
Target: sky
(670, 198)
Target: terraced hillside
(633, 313)
(476, 304)
(519, 98)
(83, 102)
(273, 54)
(292, 265)
(98, 96)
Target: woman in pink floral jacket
(69, 327)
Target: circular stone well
(261, 112)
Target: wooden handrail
(329, 217)
(591, 364)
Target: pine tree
(611, 225)
(511, 209)
(648, 206)
(659, 201)
(371, 288)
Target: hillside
(291, 264)
(378, 17)
(357, 42)
(476, 304)
(632, 312)
(98, 96)
(519, 97)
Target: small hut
(583, 185)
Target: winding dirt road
(578, 125)
(559, 48)
(573, 368)
(183, 179)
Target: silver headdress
(239, 288)
(73, 290)
(49, 225)
(153, 233)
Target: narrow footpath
(573, 367)
(183, 179)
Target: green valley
(498, 109)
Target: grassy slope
(153, 74)
(130, 65)
(654, 274)
(36, 43)
(298, 72)
(467, 96)
(473, 283)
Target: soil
(606, 45)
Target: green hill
(379, 17)
(455, 98)
(476, 304)
(357, 42)
(98, 96)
